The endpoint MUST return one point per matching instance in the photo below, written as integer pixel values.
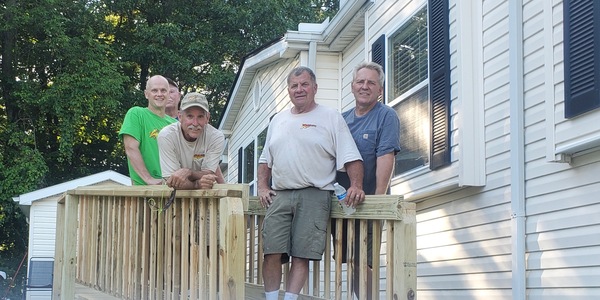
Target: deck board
(83, 292)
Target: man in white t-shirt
(190, 149)
(304, 148)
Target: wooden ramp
(257, 292)
(83, 292)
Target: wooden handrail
(119, 241)
(400, 252)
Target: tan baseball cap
(194, 99)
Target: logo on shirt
(198, 157)
(304, 126)
(154, 133)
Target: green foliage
(13, 246)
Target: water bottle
(340, 193)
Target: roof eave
(335, 36)
(27, 198)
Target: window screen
(408, 55)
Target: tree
(200, 44)
(58, 77)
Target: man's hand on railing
(207, 181)
(355, 196)
(185, 179)
(179, 178)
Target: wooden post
(69, 231)
(58, 248)
(231, 248)
(404, 284)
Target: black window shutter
(582, 58)
(240, 164)
(378, 56)
(439, 83)
(378, 51)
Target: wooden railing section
(125, 245)
(120, 241)
(329, 278)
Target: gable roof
(332, 36)
(28, 198)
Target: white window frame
(404, 96)
(565, 138)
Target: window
(256, 95)
(413, 113)
(248, 174)
(582, 60)
(248, 158)
(418, 80)
(260, 143)
(407, 81)
(408, 53)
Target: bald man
(140, 130)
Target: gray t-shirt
(176, 152)
(377, 133)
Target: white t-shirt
(176, 152)
(305, 150)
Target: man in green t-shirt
(139, 132)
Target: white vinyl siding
(562, 202)
(464, 237)
(578, 134)
(250, 122)
(42, 226)
(354, 55)
(328, 79)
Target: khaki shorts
(296, 223)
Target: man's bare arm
(132, 150)
(355, 194)
(264, 190)
(385, 166)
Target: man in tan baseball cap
(190, 150)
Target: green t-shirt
(143, 125)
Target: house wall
(467, 233)
(328, 73)
(42, 227)
(464, 237)
(352, 56)
(562, 202)
(250, 122)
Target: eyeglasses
(153, 204)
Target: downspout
(312, 55)
(517, 148)
(367, 44)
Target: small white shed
(40, 208)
